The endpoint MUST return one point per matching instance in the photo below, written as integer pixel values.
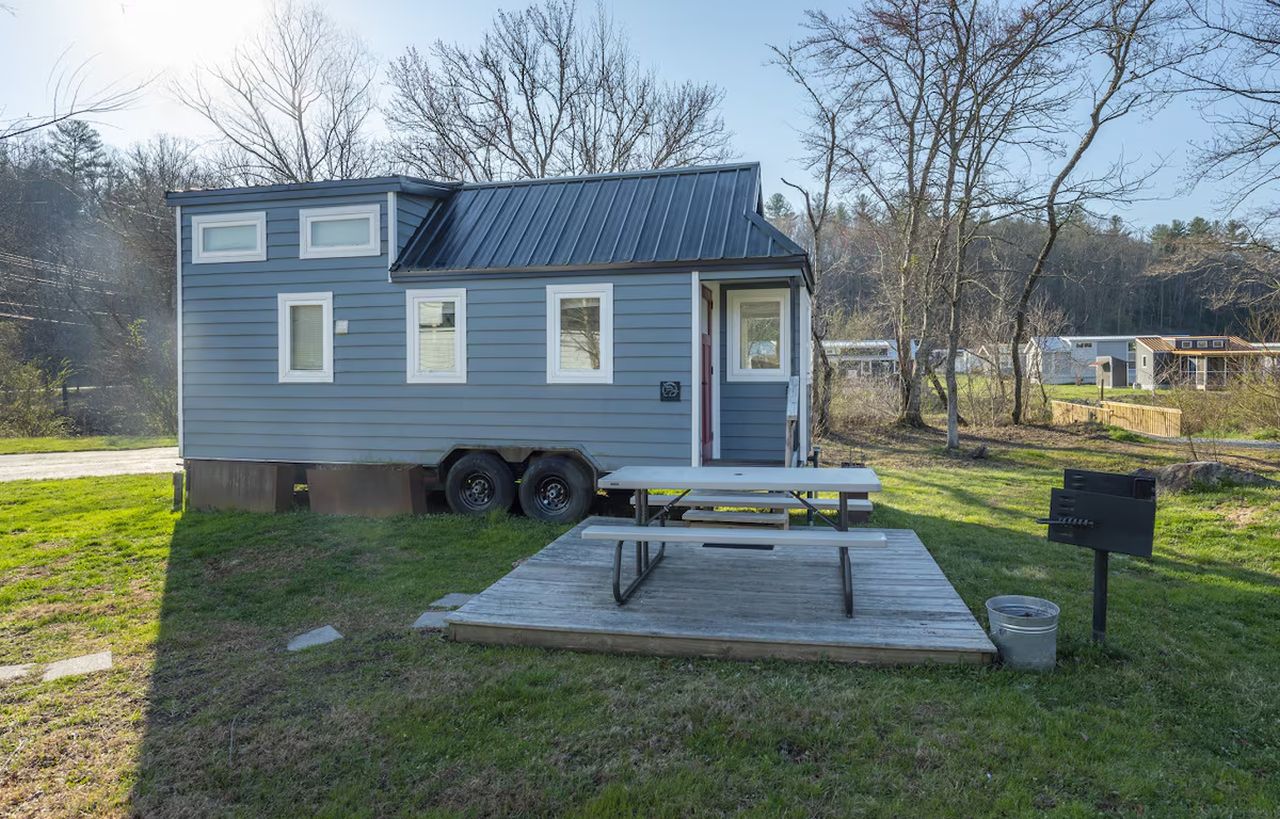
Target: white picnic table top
(758, 478)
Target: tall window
(759, 328)
(580, 334)
(437, 336)
(229, 237)
(353, 230)
(306, 337)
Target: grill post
(1100, 595)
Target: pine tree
(78, 157)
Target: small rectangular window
(1219, 344)
(305, 347)
(580, 334)
(353, 230)
(1202, 344)
(229, 237)
(759, 332)
(436, 322)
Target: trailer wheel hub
(552, 493)
(477, 490)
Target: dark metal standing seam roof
(644, 219)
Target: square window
(759, 329)
(580, 334)
(436, 327)
(305, 347)
(354, 230)
(229, 237)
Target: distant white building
(1070, 359)
(879, 356)
(864, 357)
(984, 359)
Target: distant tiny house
(503, 338)
(1202, 362)
(1070, 359)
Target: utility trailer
(507, 340)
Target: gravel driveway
(49, 465)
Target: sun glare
(174, 33)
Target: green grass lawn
(1089, 392)
(16, 446)
(205, 713)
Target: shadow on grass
(234, 722)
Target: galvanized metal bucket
(1025, 630)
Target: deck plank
(745, 604)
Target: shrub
(28, 391)
(1124, 435)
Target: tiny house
(508, 338)
(1202, 362)
(1070, 359)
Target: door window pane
(760, 335)
(580, 333)
(352, 232)
(437, 336)
(306, 337)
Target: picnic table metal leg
(846, 566)
(645, 562)
(642, 519)
(620, 594)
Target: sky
(721, 41)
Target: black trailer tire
(479, 483)
(556, 489)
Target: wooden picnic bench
(650, 527)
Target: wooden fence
(1163, 421)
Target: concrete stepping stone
(452, 600)
(431, 620)
(14, 672)
(315, 637)
(87, 664)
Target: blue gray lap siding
(235, 409)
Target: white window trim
(283, 302)
(199, 255)
(735, 300)
(371, 212)
(556, 292)
(413, 372)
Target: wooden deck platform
(734, 603)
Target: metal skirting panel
(739, 604)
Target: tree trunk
(1015, 345)
(953, 349)
(822, 387)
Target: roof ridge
(635, 174)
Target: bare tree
(1007, 85)
(922, 104)
(541, 96)
(821, 144)
(1238, 86)
(293, 103)
(72, 96)
(1136, 45)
